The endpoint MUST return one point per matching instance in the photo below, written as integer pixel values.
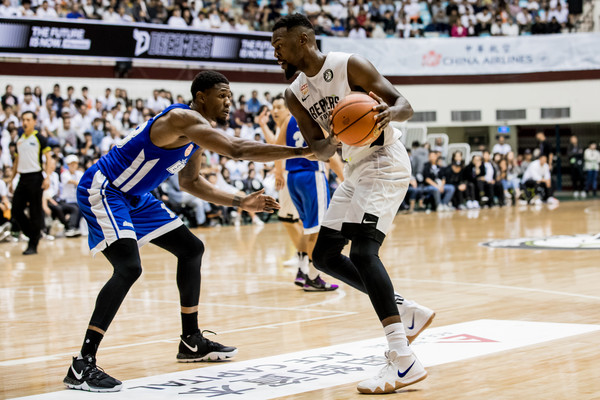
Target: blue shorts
(310, 194)
(112, 215)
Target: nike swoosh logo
(369, 222)
(403, 374)
(304, 98)
(194, 349)
(77, 375)
(412, 324)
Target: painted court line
(292, 373)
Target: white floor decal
(287, 374)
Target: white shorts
(367, 201)
(287, 212)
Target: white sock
(396, 337)
(303, 264)
(312, 271)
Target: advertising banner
(131, 41)
(476, 55)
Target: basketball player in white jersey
(376, 180)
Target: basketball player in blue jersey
(376, 180)
(308, 191)
(121, 214)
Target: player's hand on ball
(258, 202)
(385, 116)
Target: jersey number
(133, 134)
(298, 139)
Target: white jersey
(319, 94)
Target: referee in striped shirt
(31, 146)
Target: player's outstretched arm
(192, 182)
(322, 147)
(214, 140)
(364, 77)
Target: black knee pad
(125, 259)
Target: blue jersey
(137, 166)
(294, 138)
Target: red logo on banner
(465, 338)
(431, 59)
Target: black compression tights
(125, 259)
(363, 270)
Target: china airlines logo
(431, 59)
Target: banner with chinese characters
(135, 41)
(476, 55)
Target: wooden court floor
(248, 298)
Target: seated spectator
(111, 140)
(538, 182)
(434, 183)
(484, 21)
(69, 179)
(458, 30)
(475, 173)
(355, 30)
(492, 177)
(510, 181)
(46, 12)
(464, 195)
(87, 149)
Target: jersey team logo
(560, 242)
(328, 75)
(189, 149)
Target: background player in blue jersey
(309, 192)
(121, 214)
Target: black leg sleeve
(125, 259)
(188, 249)
(328, 258)
(364, 254)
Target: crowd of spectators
(497, 178)
(351, 18)
(81, 127)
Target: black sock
(189, 323)
(91, 342)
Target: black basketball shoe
(196, 347)
(84, 374)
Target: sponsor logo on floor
(292, 373)
(562, 242)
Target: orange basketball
(353, 120)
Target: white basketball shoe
(399, 371)
(415, 317)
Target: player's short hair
(293, 20)
(207, 80)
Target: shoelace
(94, 371)
(388, 364)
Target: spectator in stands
(45, 11)
(8, 98)
(544, 147)
(51, 126)
(253, 104)
(484, 21)
(28, 104)
(111, 139)
(67, 136)
(434, 183)
(575, 156)
(538, 182)
(87, 149)
(492, 177)
(591, 165)
(75, 12)
(10, 116)
(538, 27)
(69, 179)
(464, 194)
(475, 174)
(510, 28)
(501, 147)
(176, 20)
(156, 103)
(418, 157)
(458, 30)
(355, 31)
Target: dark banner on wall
(143, 41)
